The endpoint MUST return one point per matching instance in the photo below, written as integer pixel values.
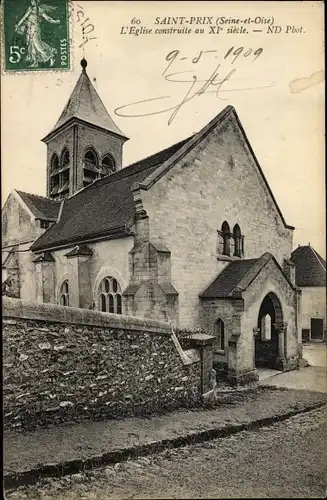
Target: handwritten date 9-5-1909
(218, 81)
(232, 52)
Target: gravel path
(285, 460)
(312, 378)
(58, 444)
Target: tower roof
(85, 104)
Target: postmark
(35, 35)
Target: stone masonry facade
(188, 205)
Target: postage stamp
(36, 35)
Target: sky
(278, 93)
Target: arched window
(220, 335)
(226, 238)
(63, 177)
(237, 241)
(54, 176)
(64, 294)
(109, 296)
(91, 157)
(266, 327)
(91, 170)
(54, 162)
(64, 161)
(108, 165)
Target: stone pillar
(136, 295)
(281, 329)
(73, 285)
(204, 343)
(80, 293)
(298, 299)
(256, 331)
(236, 374)
(45, 277)
(150, 293)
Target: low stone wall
(64, 364)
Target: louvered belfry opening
(85, 144)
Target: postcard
(163, 246)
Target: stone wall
(313, 305)
(63, 364)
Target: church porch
(252, 310)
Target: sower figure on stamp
(29, 25)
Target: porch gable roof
(224, 284)
(237, 276)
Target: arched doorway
(267, 338)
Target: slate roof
(228, 279)
(42, 208)
(102, 208)
(85, 104)
(310, 267)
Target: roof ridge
(84, 103)
(38, 196)
(249, 276)
(195, 138)
(111, 178)
(101, 101)
(316, 256)
(237, 278)
(148, 182)
(161, 151)
(77, 104)
(310, 268)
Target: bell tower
(84, 145)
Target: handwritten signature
(86, 29)
(217, 83)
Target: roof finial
(84, 63)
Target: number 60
(15, 53)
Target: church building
(191, 235)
